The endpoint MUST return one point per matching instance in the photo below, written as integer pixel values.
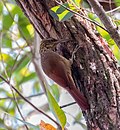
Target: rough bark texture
(94, 69)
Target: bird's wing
(59, 73)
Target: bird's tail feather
(79, 98)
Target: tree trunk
(94, 69)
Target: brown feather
(58, 69)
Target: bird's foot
(73, 54)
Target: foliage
(16, 33)
(16, 40)
(58, 112)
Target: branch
(28, 101)
(113, 10)
(100, 12)
(68, 105)
(72, 11)
(19, 98)
(37, 62)
(19, 109)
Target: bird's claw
(73, 53)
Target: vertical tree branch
(98, 9)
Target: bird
(58, 68)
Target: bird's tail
(79, 98)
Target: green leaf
(92, 16)
(117, 22)
(16, 10)
(111, 43)
(1, 8)
(21, 74)
(77, 2)
(104, 33)
(6, 58)
(116, 52)
(31, 76)
(57, 111)
(54, 15)
(61, 13)
(85, 4)
(7, 21)
(65, 16)
(61, 9)
(117, 2)
(22, 63)
(6, 41)
(23, 23)
(78, 117)
(36, 87)
(55, 91)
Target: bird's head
(48, 44)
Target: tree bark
(94, 69)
